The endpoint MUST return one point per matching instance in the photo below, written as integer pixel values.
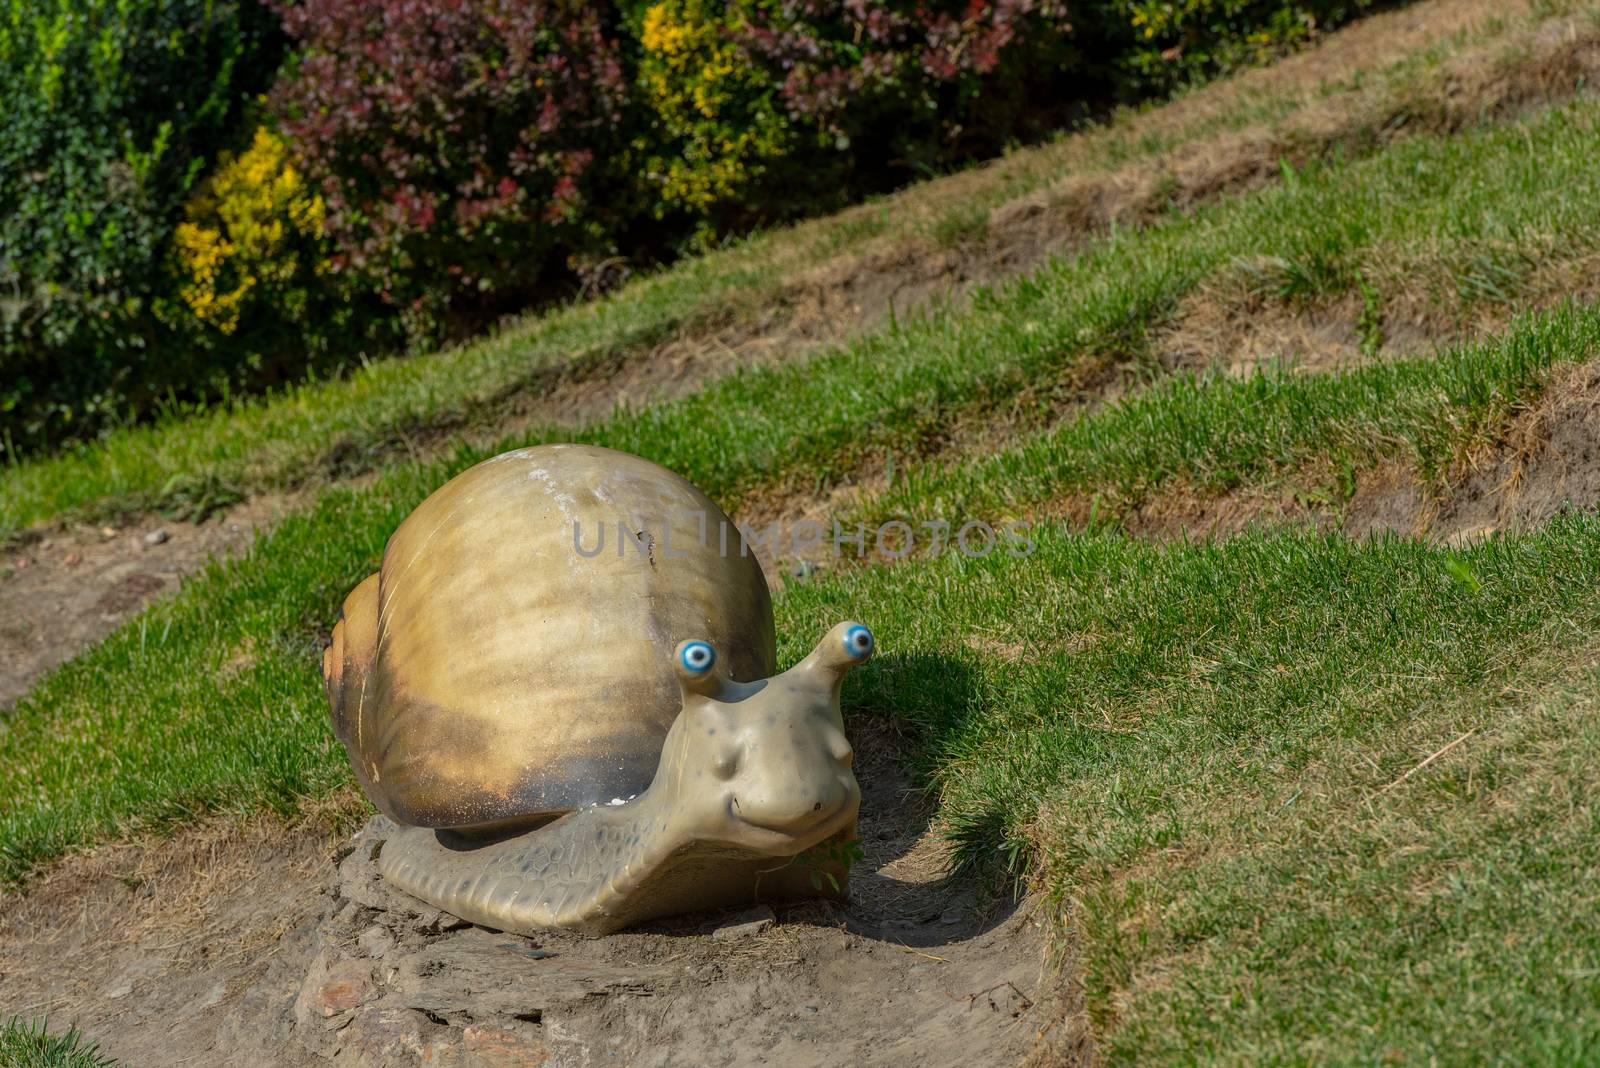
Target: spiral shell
(512, 657)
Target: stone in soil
(745, 925)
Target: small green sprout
(843, 853)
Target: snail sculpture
(560, 684)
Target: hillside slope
(1281, 726)
(786, 296)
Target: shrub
(770, 108)
(831, 61)
(455, 142)
(253, 288)
(111, 109)
(254, 235)
(718, 122)
(1158, 45)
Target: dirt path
(63, 591)
(250, 945)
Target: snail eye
(697, 658)
(858, 642)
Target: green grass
(324, 430)
(151, 728)
(25, 1044)
(1213, 433)
(1202, 751)
(898, 390)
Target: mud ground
(258, 944)
(63, 590)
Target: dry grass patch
(1545, 459)
(218, 893)
(1410, 307)
(1182, 510)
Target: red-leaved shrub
(825, 55)
(766, 109)
(455, 142)
(903, 88)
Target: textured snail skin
(751, 774)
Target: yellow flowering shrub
(714, 107)
(1178, 40)
(254, 230)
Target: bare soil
(64, 590)
(256, 943)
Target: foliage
(27, 1044)
(111, 109)
(455, 142)
(831, 60)
(767, 108)
(253, 297)
(719, 125)
(253, 236)
(1160, 44)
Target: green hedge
(112, 110)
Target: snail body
(581, 737)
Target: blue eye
(858, 642)
(697, 658)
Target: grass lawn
(1213, 756)
(211, 699)
(1295, 798)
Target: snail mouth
(794, 835)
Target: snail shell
(491, 675)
